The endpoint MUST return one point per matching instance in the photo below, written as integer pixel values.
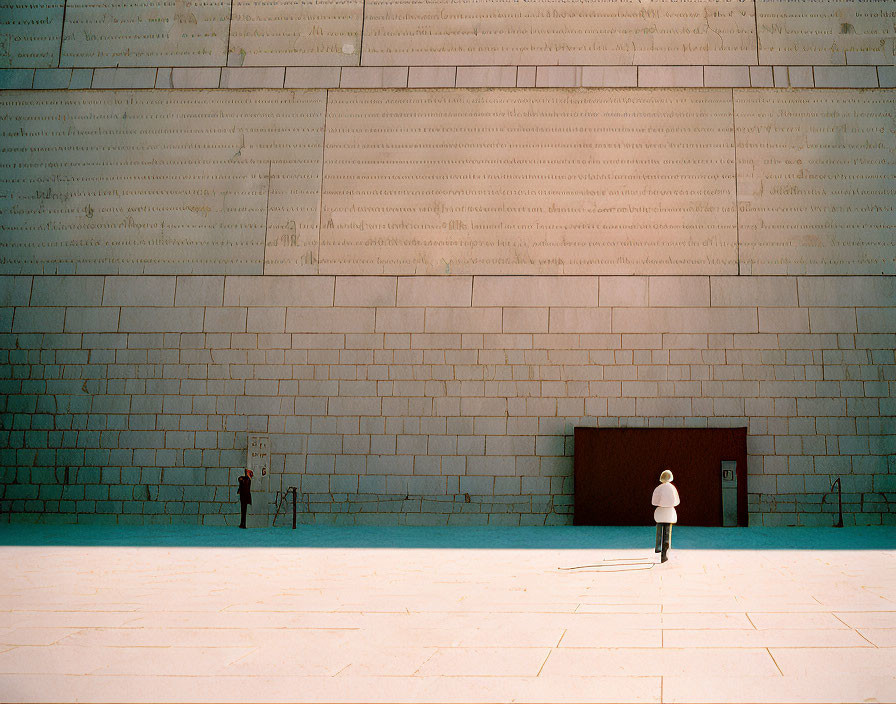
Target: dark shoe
(242, 526)
(664, 558)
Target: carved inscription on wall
(29, 33)
(816, 181)
(504, 181)
(296, 33)
(826, 31)
(151, 181)
(508, 32)
(145, 32)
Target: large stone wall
(505, 181)
(434, 400)
(417, 242)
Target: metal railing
(283, 495)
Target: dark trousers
(243, 506)
(663, 539)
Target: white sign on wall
(258, 459)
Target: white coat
(665, 496)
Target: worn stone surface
(797, 215)
(583, 194)
(440, 32)
(199, 202)
(144, 33)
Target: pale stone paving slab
(834, 689)
(34, 636)
(766, 638)
(642, 662)
(881, 637)
(795, 620)
(820, 662)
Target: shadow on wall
(461, 538)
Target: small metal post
(839, 523)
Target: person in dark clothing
(244, 491)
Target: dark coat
(245, 489)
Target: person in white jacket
(665, 498)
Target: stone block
(623, 291)
(558, 77)
(107, 78)
(766, 291)
(38, 320)
(399, 320)
(580, 320)
(16, 78)
(365, 290)
(525, 320)
(253, 77)
(199, 291)
(468, 519)
(847, 290)
(6, 315)
(869, 319)
(670, 76)
(783, 320)
(82, 78)
(761, 77)
(374, 77)
(528, 291)
(788, 484)
(15, 290)
(191, 77)
(266, 319)
(426, 486)
(486, 76)
(685, 320)
(312, 77)
(463, 320)
(279, 290)
(525, 76)
(139, 319)
(609, 76)
(841, 320)
(66, 290)
(344, 484)
(663, 407)
(225, 319)
(726, 76)
(781, 78)
(52, 78)
(139, 291)
(845, 76)
(887, 76)
(431, 76)
(452, 291)
(163, 77)
(800, 77)
(674, 291)
(333, 320)
(491, 466)
(92, 319)
(821, 407)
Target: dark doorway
(617, 469)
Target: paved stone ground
(441, 615)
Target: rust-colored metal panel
(617, 469)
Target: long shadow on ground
(401, 537)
